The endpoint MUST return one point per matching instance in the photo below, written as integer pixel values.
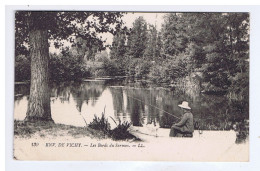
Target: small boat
(205, 145)
(146, 133)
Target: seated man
(185, 127)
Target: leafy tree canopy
(64, 25)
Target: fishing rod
(156, 107)
(141, 102)
(153, 106)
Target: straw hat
(184, 105)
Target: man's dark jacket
(186, 123)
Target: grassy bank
(48, 129)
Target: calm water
(134, 102)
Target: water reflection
(137, 103)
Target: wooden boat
(203, 146)
(148, 133)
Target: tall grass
(101, 124)
(120, 132)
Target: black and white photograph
(131, 86)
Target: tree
(152, 49)
(172, 44)
(85, 49)
(101, 56)
(215, 44)
(138, 38)
(119, 48)
(118, 53)
(174, 35)
(81, 50)
(226, 49)
(36, 28)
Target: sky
(129, 18)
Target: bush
(142, 69)
(167, 71)
(61, 68)
(66, 68)
(100, 124)
(121, 131)
(239, 89)
(158, 74)
(109, 67)
(114, 67)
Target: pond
(137, 102)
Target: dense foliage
(210, 48)
(63, 25)
(79, 29)
(120, 132)
(66, 67)
(62, 67)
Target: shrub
(239, 89)
(61, 68)
(109, 67)
(166, 72)
(142, 69)
(67, 67)
(101, 124)
(121, 131)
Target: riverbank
(50, 141)
(41, 129)
(64, 142)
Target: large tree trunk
(39, 100)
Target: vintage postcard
(131, 86)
